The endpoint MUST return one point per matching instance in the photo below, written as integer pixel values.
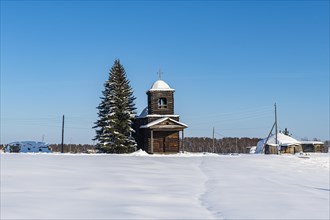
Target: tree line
(74, 148)
(191, 144)
(224, 145)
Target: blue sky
(229, 62)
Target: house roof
(154, 124)
(282, 140)
(29, 143)
(311, 142)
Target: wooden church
(157, 128)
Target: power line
(247, 112)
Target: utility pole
(236, 146)
(62, 150)
(276, 141)
(182, 142)
(213, 141)
(70, 145)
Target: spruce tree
(116, 113)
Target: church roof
(160, 85)
(158, 121)
(144, 113)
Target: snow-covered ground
(181, 186)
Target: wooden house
(285, 144)
(157, 128)
(314, 146)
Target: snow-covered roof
(29, 143)
(282, 140)
(160, 121)
(311, 142)
(160, 116)
(144, 113)
(160, 85)
(28, 147)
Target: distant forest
(224, 145)
(191, 144)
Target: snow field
(267, 187)
(181, 186)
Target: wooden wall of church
(154, 96)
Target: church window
(162, 103)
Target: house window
(162, 103)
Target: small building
(314, 146)
(157, 128)
(285, 144)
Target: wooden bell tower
(157, 128)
